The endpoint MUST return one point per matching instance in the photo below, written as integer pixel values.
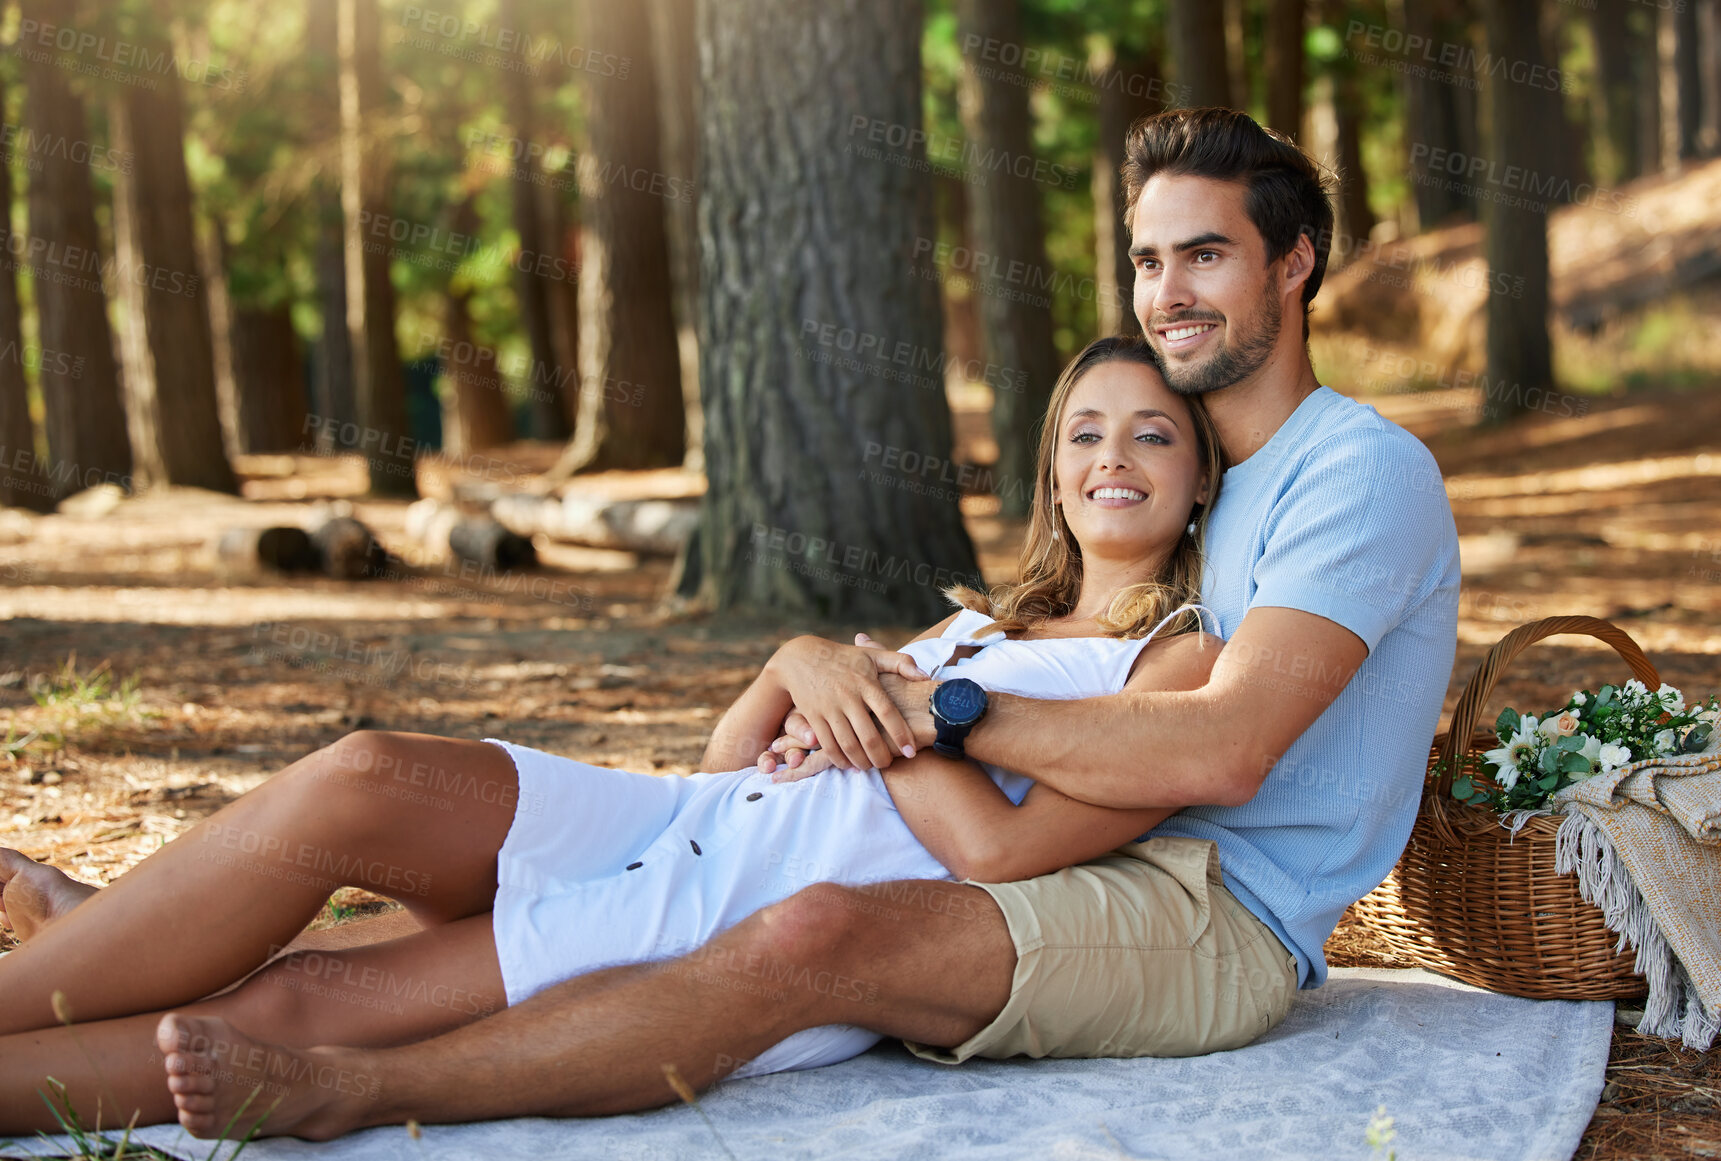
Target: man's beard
(1230, 363)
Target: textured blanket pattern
(1644, 844)
(1465, 1074)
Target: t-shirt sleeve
(1360, 536)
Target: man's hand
(841, 705)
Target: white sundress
(603, 867)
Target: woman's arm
(961, 816)
(837, 683)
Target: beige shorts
(1140, 953)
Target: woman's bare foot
(33, 895)
(224, 1083)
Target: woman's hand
(841, 708)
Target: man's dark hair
(1288, 193)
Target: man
(1333, 570)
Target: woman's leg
(387, 994)
(414, 817)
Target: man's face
(1204, 293)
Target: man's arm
(1140, 749)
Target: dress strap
(1129, 655)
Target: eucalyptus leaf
(1570, 743)
(1697, 738)
(1507, 723)
(1548, 783)
(1462, 788)
(1575, 764)
(1604, 696)
(1549, 762)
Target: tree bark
(1126, 81)
(547, 416)
(632, 414)
(334, 395)
(269, 379)
(677, 59)
(1198, 51)
(801, 515)
(1284, 63)
(22, 484)
(83, 411)
(1015, 316)
(1681, 84)
(1440, 116)
(1520, 357)
(381, 386)
(477, 406)
(170, 368)
(1614, 99)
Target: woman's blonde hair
(1050, 567)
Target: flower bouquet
(1592, 734)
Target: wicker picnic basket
(1472, 901)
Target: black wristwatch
(957, 707)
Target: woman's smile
(1112, 496)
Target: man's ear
(1299, 264)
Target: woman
(527, 869)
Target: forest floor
(206, 682)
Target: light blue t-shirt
(1342, 514)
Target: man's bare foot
(33, 895)
(225, 1083)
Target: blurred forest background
(447, 366)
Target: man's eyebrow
(1144, 413)
(1211, 238)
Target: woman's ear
(1202, 490)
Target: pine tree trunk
(808, 510)
(1198, 51)
(334, 397)
(1681, 84)
(1614, 99)
(1015, 316)
(269, 379)
(1440, 119)
(381, 386)
(1127, 82)
(632, 414)
(476, 402)
(170, 369)
(1285, 66)
(677, 60)
(22, 484)
(547, 417)
(83, 412)
(1520, 358)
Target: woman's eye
(1152, 437)
(1083, 437)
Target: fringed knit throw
(1645, 843)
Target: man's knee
(817, 924)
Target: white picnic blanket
(1465, 1074)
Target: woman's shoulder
(1184, 661)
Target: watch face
(960, 702)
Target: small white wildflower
(1666, 742)
(1579, 698)
(1671, 699)
(1613, 755)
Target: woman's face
(1127, 465)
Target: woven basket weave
(1470, 900)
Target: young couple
(1064, 821)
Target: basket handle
(1481, 683)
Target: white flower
(1613, 755)
(1516, 754)
(1591, 750)
(1579, 698)
(1635, 687)
(1671, 698)
(1665, 742)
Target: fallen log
(279, 549)
(485, 541)
(347, 550)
